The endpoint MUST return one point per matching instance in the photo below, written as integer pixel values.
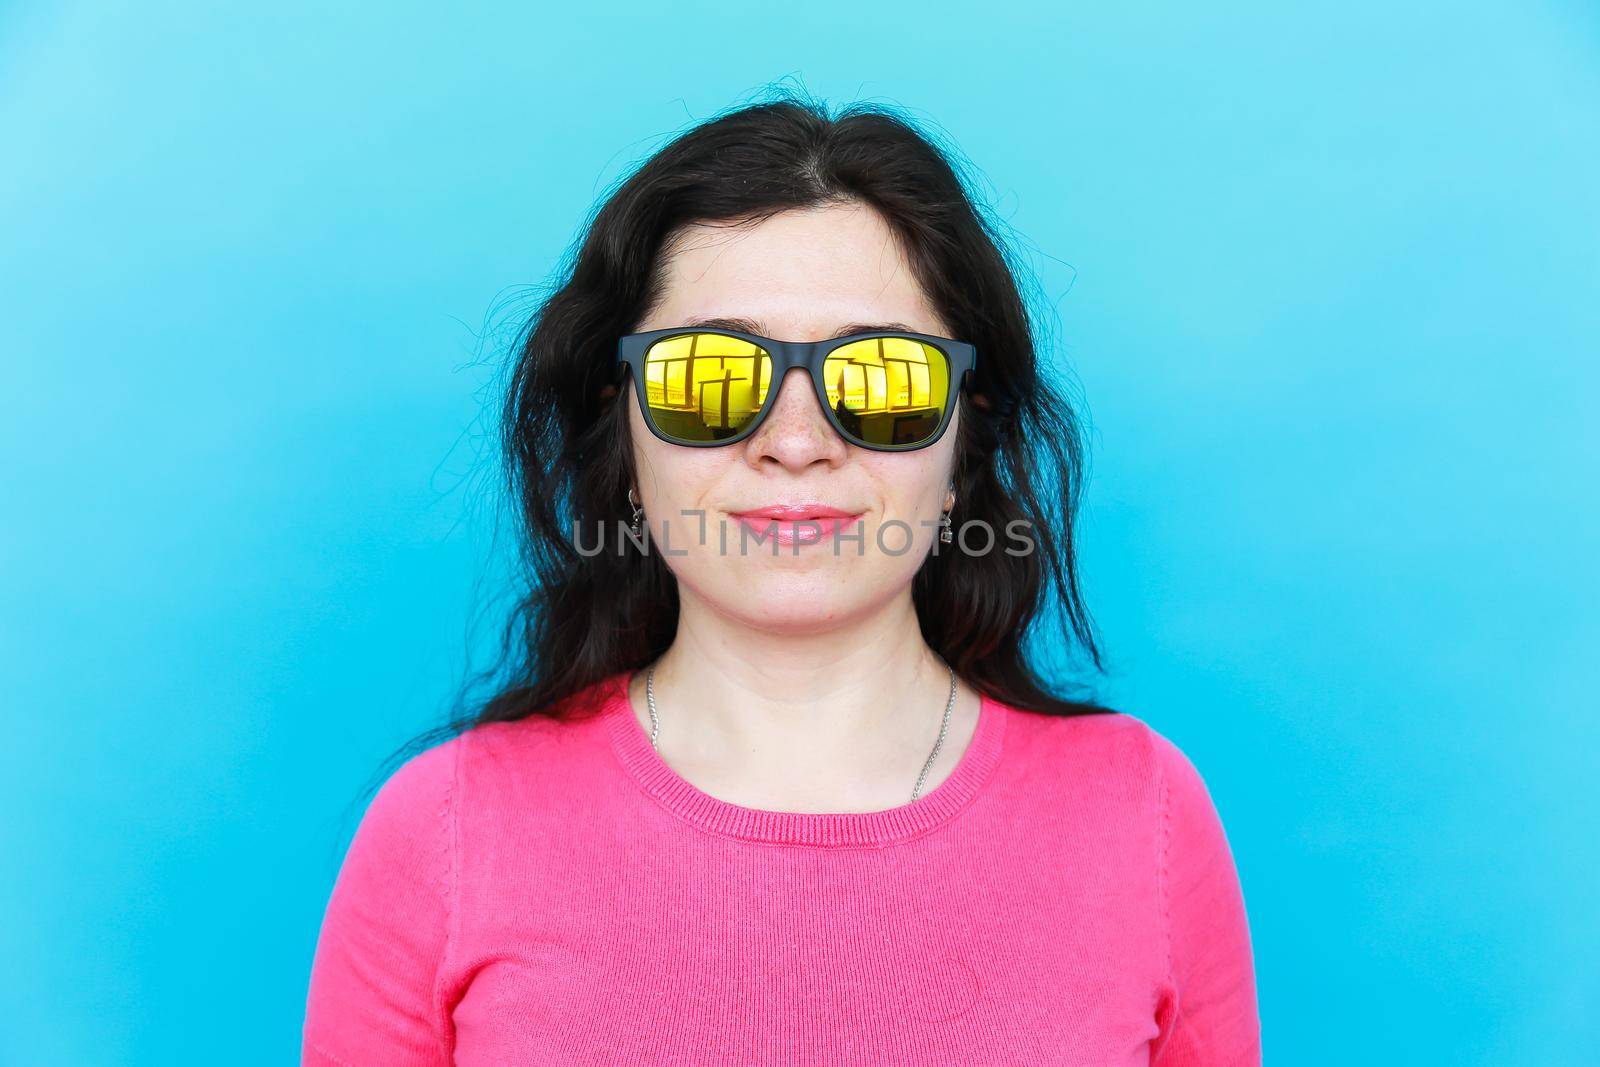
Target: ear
(982, 401)
(607, 392)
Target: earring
(636, 524)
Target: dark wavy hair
(564, 432)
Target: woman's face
(798, 276)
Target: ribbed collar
(824, 829)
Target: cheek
(674, 480)
(912, 485)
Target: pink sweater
(546, 892)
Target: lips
(801, 523)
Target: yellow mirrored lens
(888, 390)
(705, 386)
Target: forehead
(799, 275)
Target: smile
(791, 524)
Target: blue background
(1325, 271)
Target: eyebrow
(751, 326)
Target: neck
(841, 719)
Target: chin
(789, 601)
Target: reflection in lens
(705, 386)
(888, 390)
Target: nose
(796, 433)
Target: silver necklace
(655, 722)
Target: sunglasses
(891, 392)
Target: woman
(776, 781)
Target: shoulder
(525, 753)
(421, 781)
(556, 736)
(1109, 741)
(414, 804)
(496, 766)
(497, 780)
(1111, 749)
(443, 798)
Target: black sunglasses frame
(786, 355)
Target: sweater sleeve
(1209, 1016)
(374, 991)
